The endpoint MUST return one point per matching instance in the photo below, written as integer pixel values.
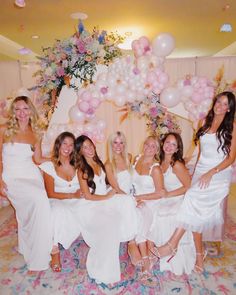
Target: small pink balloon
(83, 106)
(86, 95)
(196, 98)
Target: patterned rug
(219, 276)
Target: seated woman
(104, 216)
(62, 187)
(148, 187)
(177, 181)
(22, 182)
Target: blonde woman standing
(22, 182)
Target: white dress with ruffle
(105, 224)
(201, 208)
(164, 225)
(26, 191)
(65, 212)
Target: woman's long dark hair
(56, 148)
(178, 155)
(224, 132)
(81, 163)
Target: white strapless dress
(201, 208)
(104, 225)
(164, 224)
(27, 194)
(65, 212)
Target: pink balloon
(144, 41)
(86, 95)
(94, 102)
(197, 97)
(163, 78)
(83, 106)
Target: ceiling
(195, 24)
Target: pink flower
(60, 72)
(153, 112)
(81, 46)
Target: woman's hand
(78, 194)
(163, 194)
(3, 188)
(205, 179)
(111, 193)
(140, 203)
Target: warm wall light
(130, 34)
(20, 3)
(226, 28)
(24, 51)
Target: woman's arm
(3, 187)
(50, 188)
(205, 179)
(86, 192)
(111, 178)
(183, 175)
(37, 157)
(158, 183)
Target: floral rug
(219, 276)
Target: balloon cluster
(196, 94)
(94, 130)
(128, 79)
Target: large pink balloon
(170, 97)
(163, 44)
(83, 106)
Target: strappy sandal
(134, 261)
(146, 274)
(55, 267)
(154, 251)
(198, 269)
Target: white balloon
(170, 97)
(163, 44)
(187, 91)
(75, 115)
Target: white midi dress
(104, 225)
(65, 212)
(164, 224)
(144, 184)
(26, 191)
(201, 208)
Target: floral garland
(74, 57)
(159, 120)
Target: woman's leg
(171, 246)
(56, 261)
(134, 253)
(145, 257)
(200, 253)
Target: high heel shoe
(156, 252)
(146, 272)
(198, 269)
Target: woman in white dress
(62, 185)
(148, 187)
(200, 209)
(102, 215)
(23, 184)
(176, 181)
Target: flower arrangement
(221, 84)
(159, 120)
(74, 57)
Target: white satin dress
(26, 191)
(201, 208)
(105, 224)
(65, 212)
(164, 224)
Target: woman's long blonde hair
(12, 123)
(110, 154)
